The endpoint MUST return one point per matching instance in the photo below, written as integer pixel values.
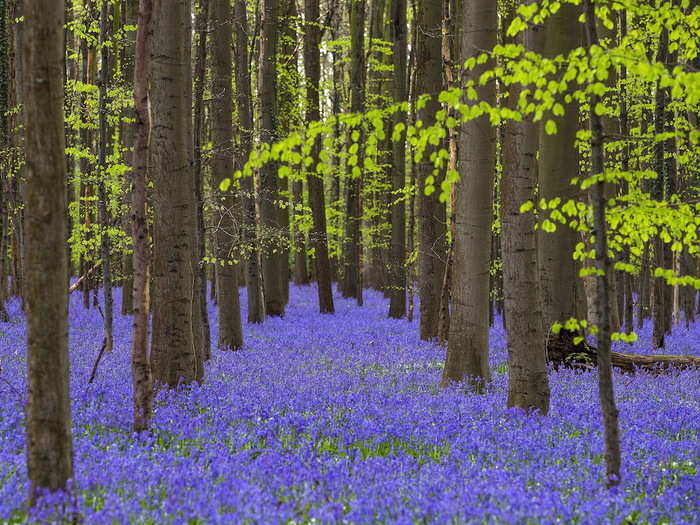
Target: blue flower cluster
(325, 419)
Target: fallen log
(561, 351)
(76, 284)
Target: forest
(350, 261)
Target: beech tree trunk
(201, 19)
(256, 311)
(433, 216)
(528, 385)
(140, 363)
(319, 236)
(467, 355)
(175, 352)
(352, 276)
(605, 379)
(558, 164)
(48, 415)
(397, 270)
(273, 234)
(228, 306)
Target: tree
(397, 291)
(352, 276)
(105, 243)
(229, 310)
(273, 273)
(256, 311)
(467, 355)
(142, 378)
(176, 340)
(433, 216)
(528, 385)
(319, 236)
(557, 165)
(605, 380)
(49, 439)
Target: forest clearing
(356, 261)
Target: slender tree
(273, 273)
(528, 386)
(397, 292)
(467, 355)
(256, 311)
(48, 416)
(105, 244)
(352, 276)
(605, 379)
(140, 363)
(228, 307)
(319, 237)
(176, 340)
(433, 216)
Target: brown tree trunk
(176, 356)
(274, 275)
(528, 386)
(228, 306)
(201, 20)
(352, 276)
(605, 379)
(105, 244)
(256, 311)
(558, 164)
(467, 356)
(140, 363)
(397, 269)
(319, 236)
(433, 216)
(48, 415)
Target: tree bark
(433, 216)
(528, 385)
(352, 276)
(397, 273)
(105, 244)
(48, 416)
(273, 273)
(558, 163)
(176, 357)
(228, 306)
(605, 379)
(319, 235)
(201, 21)
(256, 311)
(467, 355)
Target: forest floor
(339, 419)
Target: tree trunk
(467, 356)
(48, 415)
(140, 363)
(256, 311)
(397, 273)
(605, 379)
(176, 356)
(102, 188)
(528, 385)
(228, 307)
(558, 164)
(273, 273)
(319, 236)
(433, 216)
(4, 142)
(352, 276)
(201, 19)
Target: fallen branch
(561, 351)
(76, 284)
(97, 361)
